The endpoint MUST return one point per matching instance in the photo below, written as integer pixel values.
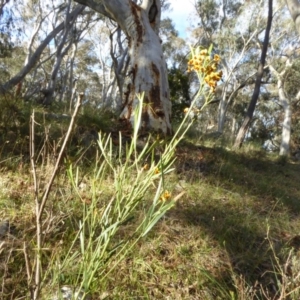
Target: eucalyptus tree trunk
(69, 82)
(294, 9)
(148, 71)
(120, 67)
(250, 111)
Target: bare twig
(60, 155)
(32, 156)
(41, 202)
(36, 194)
(28, 270)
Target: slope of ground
(235, 234)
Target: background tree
(232, 28)
(34, 56)
(243, 130)
(65, 48)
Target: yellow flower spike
(201, 58)
(205, 65)
(186, 110)
(211, 83)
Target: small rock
(67, 293)
(297, 155)
(4, 229)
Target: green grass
(234, 234)
(228, 237)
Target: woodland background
(228, 206)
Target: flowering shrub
(205, 66)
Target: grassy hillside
(234, 234)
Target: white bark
(286, 125)
(228, 76)
(222, 110)
(284, 149)
(149, 75)
(148, 71)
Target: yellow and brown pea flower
(207, 67)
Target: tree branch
(95, 5)
(36, 55)
(294, 8)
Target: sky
(181, 14)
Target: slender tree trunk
(286, 127)
(222, 111)
(228, 76)
(70, 77)
(61, 51)
(233, 125)
(148, 70)
(284, 149)
(250, 111)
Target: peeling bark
(148, 70)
